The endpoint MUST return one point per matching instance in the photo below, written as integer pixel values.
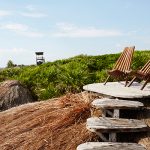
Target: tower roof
(39, 53)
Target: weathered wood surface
(110, 146)
(116, 89)
(105, 124)
(107, 103)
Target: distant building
(39, 58)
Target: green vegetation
(53, 79)
(10, 64)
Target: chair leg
(145, 84)
(131, 81)
(106, 80)
(126, 81)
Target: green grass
(56, 78)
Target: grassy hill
(56, 78)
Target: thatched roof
(56, 124)
(13, 93)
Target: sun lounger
(143, 74)
(123, 65)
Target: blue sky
(65, 28)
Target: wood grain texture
(109, 146)
(105, 124)
(107, 103)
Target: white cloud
(70, 30)
(12, 50)
(30, 7)
(12, 53)
(4, 13)
(34, 34)
(123, 44)
(15, 27)
(118, 45)
(32, 12)
(18, 50)
(21, 29)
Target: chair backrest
(124, 61)
(146, 68)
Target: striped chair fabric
(123, 65)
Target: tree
(10, 64)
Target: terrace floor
(118, 90)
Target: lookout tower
(39, 58)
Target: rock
(13, 93)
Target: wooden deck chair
(123, 65)
(143, 74)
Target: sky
(66, 28)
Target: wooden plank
(116, 113)
(116, 89)
(109, 146)
(107, 103)
(105, 124)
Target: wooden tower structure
(39, 58)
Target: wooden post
(116, 113)
(113, 136)
(103, 112)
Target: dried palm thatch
(55, 124)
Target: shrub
(56, 78)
